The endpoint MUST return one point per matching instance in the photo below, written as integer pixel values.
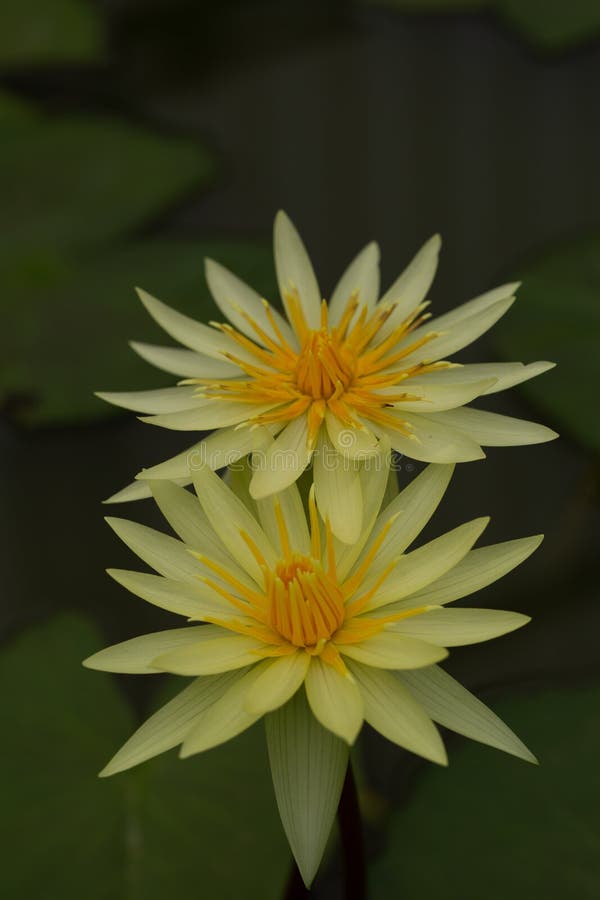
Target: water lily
(327, 379)
(286, 622)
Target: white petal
(234, 297)
(292, 510)
(338, 491)
(224, 719)
(494, 430)
(190, 333)
(478, 304)
(277, 683)
(413, 508)
(283, 462)
(308, 764)
(410, 289)
(450, 704)
(475, 571)
(439, 396)
(220, 654)
(195, 602)
(184, 363)
(135, 657)
(419, 568)
(458, 627)
(456, 332)
(222, 448)
(162, 400)
(209, 413)
(230, 519)
(431, 441)
(169, 726)
(388, 650)
(137, 490)
(184, 513)
(360, 278)
(334, 699)
(354, 443)
(374, 475)
(506, 375)
(395, 714)
(295, 271)
(165, 554)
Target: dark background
(137, 137)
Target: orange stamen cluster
(303, 604)
(341, 368)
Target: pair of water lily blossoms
(303, 601)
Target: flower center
(305, 604)
(324, 364)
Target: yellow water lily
(285, 621)
(328, 379)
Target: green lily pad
(557, 317)
(71, 182)
(492, 827)
(207, 826)
(37, 32)
(68, 323)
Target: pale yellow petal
(335, 700)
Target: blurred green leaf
(72, 182)
(67, 324)
(204, 827)
(491, 826)
(38, 31)
(557, 317)
(549, 24)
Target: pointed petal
(419, 568)
(188, 332)
(475, 571)
(231, 519)
(219, 654)
(134, 657)
(374, 475)
(283, 462)
(396, 715)
(234, 297)
(295, 271)
(450, 704)
(360, 278)
(411, 287)
(292, 510)
(137, 490)
(209, 413)
(165, 554)
(193, 601)
(308, 764)
(456, 331)
(432, 441)
(492, 429)
(224, 719)
(338, 491)
(388, 650)
(277, 683)
(334, 699)
(169, 726)
(413, 508)
(162, 400)
(184, 363)
(433, 398)
(458, 627)
(505, 375)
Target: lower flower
(285, 609)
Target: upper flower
(330, 378)
(361, 627)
